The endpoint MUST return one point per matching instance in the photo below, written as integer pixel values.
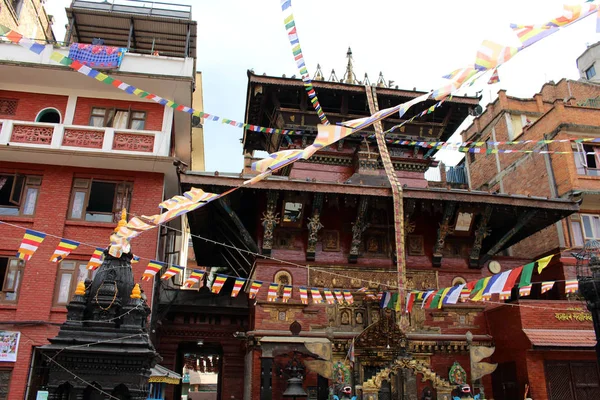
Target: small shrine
(103, 347)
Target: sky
(412, 43)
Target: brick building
(271, 232)
(548, 352)
(74, 152)
(28, 17)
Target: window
(17, 5)
(8, 106)
(4, 383)
(18, 194)
(585, 227)
(49, 115)
(98, 200)
(590, 72)
(587, 159)
(70, 273)
(11, 271)
(118, 118)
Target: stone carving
(282, 278)
(132, 142)
(270, 220)
(83, 138)
(32, 134)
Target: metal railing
(137, 7)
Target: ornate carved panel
(83, 138)
(32, 134)
(131, 142)
(330, 240)
(8, 106)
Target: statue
(359, 318)
(464, 392)
(427, 394)
(345, 392)
(373, 246)
(314, 226)
(269, 222)
(345, 318)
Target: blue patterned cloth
(96, 56)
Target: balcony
(133, 63)
(37, 135)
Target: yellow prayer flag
(479, 295)
(543, 263)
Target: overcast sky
(412, 43)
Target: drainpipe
(554, 193)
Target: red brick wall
(39, 280)
(154, 112)
(30, 104)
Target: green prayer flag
(436, 300)
(526, 274)
(391, 305)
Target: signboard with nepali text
(9, 344)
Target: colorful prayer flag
(512, 280)
(272, 293)
(303, 295)
(571, 286)
(287, 293)
(30, 243)
(526, 274)
(546, 286)
(316, 296)
(64, 248)
(338, 295)
(491, 55)
(135, 259)
(171, 271)
(477, 293)
(254, 289)
(218, 283)
(329, 296)
(454, 294)
(237, 286)
(410, 301)
(494, 78)
(465, 293)
(151, 269)
(348, 297)
(505, 295)
(385, 299)
(443, 297)
(525, 290)
(543, 263)
(500, 282)
(195, 277)
(96, 259)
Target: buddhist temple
(329, 223)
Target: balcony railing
(83, 138)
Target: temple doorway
(200, 368)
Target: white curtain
(121, 119)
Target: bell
(294, 388)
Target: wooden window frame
(596, 234)
(29, 182)
(107, 113)
(18, 282)
(87, 190)
(73, 284)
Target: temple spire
(349, 76)
(381, 81)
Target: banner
(9, 346)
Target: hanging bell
(294, 388)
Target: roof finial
(381, 81)
(367, 81)
(333, 77)
(318, 74)
(123, 220)
(349, 76)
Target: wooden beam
(522, 221)
(245, 235)
(358, 228)
(443, 231)
(480, 234)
